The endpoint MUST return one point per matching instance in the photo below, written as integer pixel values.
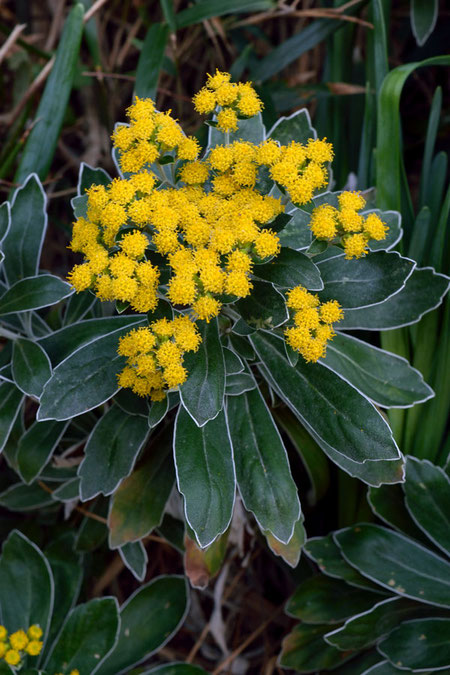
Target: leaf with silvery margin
(384, 668)
(291, 551)
(63, 342)
(427, 498)
(238, 384)
(262, 468)
(388, 503)
(241, 327)
(67, 571)
(88, 175)
(393, 220)
(23, 241)
(366, 435)
(78, 306)
(315, 462)
(135, 558)
(158, 410)
(205, 474)
(320, 599)
(290, 268)
(365, 281)
(365, 629)
(172, 530)
(423, 14)
(34, 293)
(87, 637)
(130, 403)
(5, 219)
(201, 565)
(327, 556)
(202, 395)
(423, 291)
(26, 585)
(242, 346)
(297, 127)
(30, 367)
(305, 650)
(176, 669)
(10, 404)
(84, 380)
(264, 308)
(92, 531)
(386, 379)
(251, 130)
(420, 644)
(358, 664)
(36, 447)
(233, 363)
(68, 491)
(373, 472)
(110, 452)
(148, 619)
(385, 556)
(296, 234)
(20, 497)
(138, 504)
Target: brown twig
(12, 39)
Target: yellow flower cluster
(72, 672)
(348, 226)
(235, 100)
(14, 647)
(149, 136)
(312, 323)
(300, 169)
(155, 356)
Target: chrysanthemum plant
(215, 300)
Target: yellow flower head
(351, 200)
(227, 120)
(3, 633)
(34, 632)
(374, 227)
(34, 647)
(12, 657)
(204, 101)
(206, 307)
(355, 246)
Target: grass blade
(150, 60)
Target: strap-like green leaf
(150, 60)
(30, 367)
(10, 403)
(37, 446)
(205, 474)
(262, 468)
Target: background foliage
(372, 77)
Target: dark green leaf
(130, 403)
(93, 532)
(242, 346)
(5, 219)
(37, 446)
(264, 308)
(335, 413)
(67, 573)
(111, 452)
(427, 497)
(386, 556)
(26, 585)
(138, 504)
(290, 268)
(321, 599)
(388, 380)
(88, 176)
(326, 554)
(424, 14)
(30, 366)
(305, 650)
(41, 143)
(297, 233)
(78, 305)
(149, 618)
(34, 293)
(23, 242)
(202, 394)
(87, 637)
(135, 558)
(233, 364)
(10, 403)
(84, 380)
(205, 9)
(61, 343)
(239, 383)
(67, 492)
(205, 474)
(365, 281)
(315, 462)
(150, 60)
(176, 669)
(364, 630)
(20, 497)
(420, 644)
(158, 410)
(297, 127)
(262, 468)
(388, 503)
(423, 292)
